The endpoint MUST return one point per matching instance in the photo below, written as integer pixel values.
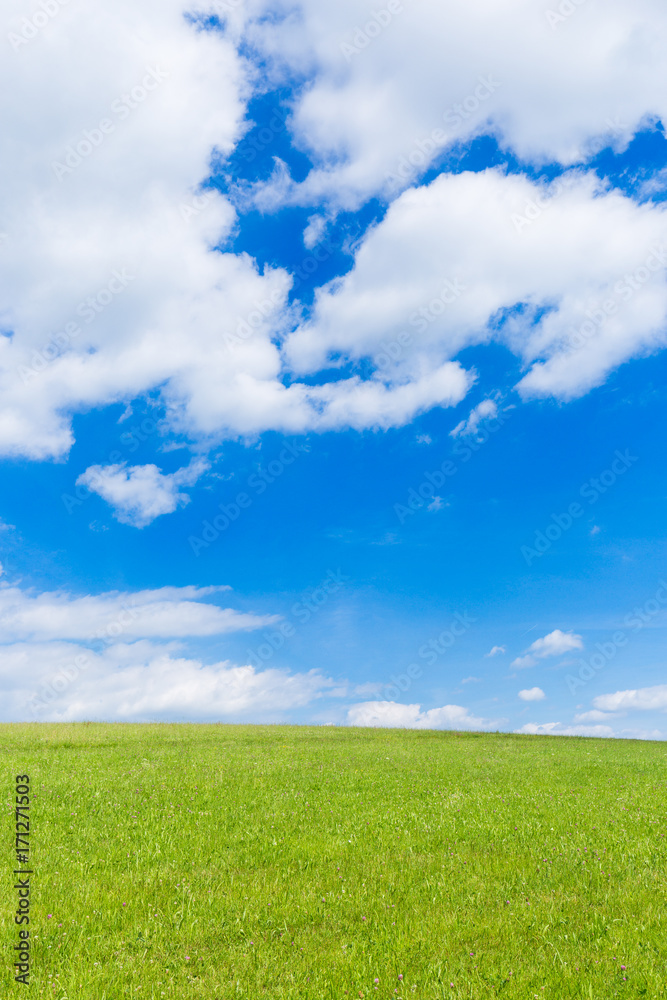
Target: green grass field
(262, 861)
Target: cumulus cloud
(116, 277)
(642, 699)
(532, 694)
(495, 651)
(391, 715)
(103, 279)
(383, 106)
(142, 682)
(141, 493)
(556, 643)
(447, 269)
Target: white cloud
(125, 205)
(314, 231)
(391, 715)
(594, 716)
(556, 643)
(446, 262)
(141, 493)
(641, 699)
(170, 612)
(122, 656)
(118, 210)
(557, 729)
(368, 118)
(365, 690)
(532, 694)
(496, 650)
(486, 410)
(109, 287)
(472, 680)
(141, 682)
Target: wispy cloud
(169, 612)
(485, 410)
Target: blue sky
(334, 382)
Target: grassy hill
(269, 861)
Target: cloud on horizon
(391, 715)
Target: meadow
(321, 862)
